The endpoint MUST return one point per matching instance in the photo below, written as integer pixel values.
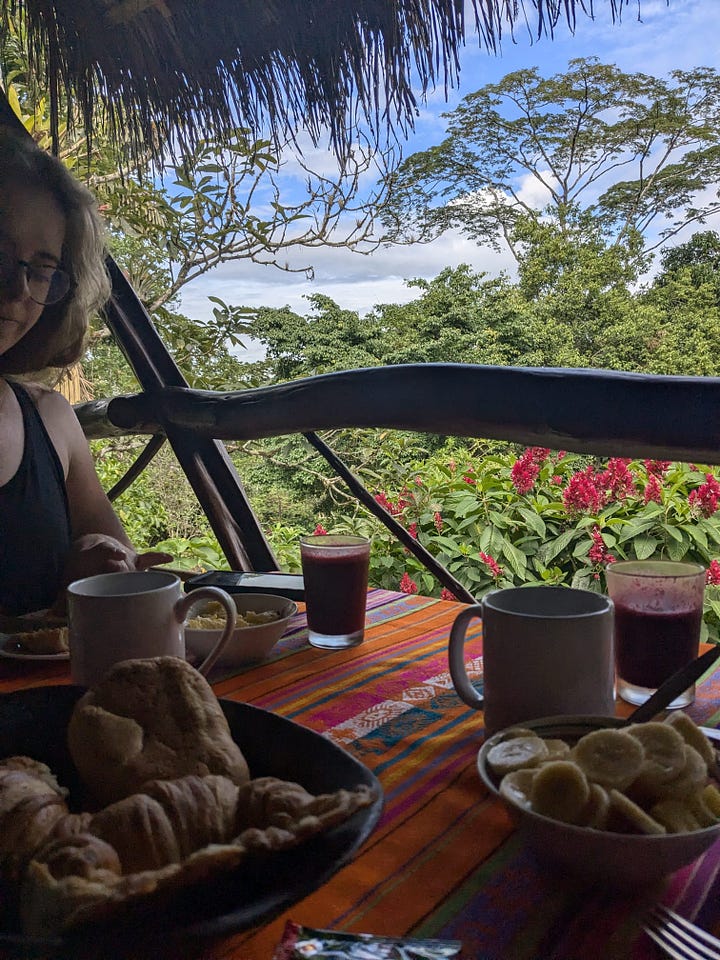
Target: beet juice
(650, 646)
(335, 571)
(658, 615)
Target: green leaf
(552, 549)
(698, 535)
(516, 558)
(644, 546)
(534, 521)
(677, 550)
(672, 532)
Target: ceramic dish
(33, 722)
(617, 859)
(247, 644)
(10, 650)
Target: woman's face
(32, 228)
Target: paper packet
(306, 943)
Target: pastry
(137, 847)
(154, 719)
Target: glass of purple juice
(335, 571)
(658, 613)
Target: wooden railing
(586, 411)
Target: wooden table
(444, 860)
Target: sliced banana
(560, 790)
(692, 735)
(627, 817)
(675, 815)
(557, 749)
(711, 799)
(512, 733)
(597, 810)
(516, 754)
(690, 780)
(700, 810)
(664, 754)
(611, 758)
(517, 787)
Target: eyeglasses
(46, 284)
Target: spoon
(674, 686)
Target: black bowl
(33, 723)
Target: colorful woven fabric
(444, 860)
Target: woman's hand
(99, 553)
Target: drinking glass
(658, 613)
(335, 571)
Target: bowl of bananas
(605, 800)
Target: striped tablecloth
(443, 861)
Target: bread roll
(154, 719)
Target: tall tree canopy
(636, 151)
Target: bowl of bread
(144, 810)
(262, 619)
(608, 801)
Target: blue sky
(681, 35)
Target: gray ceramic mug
(547, 651)
(135, 615)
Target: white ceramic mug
(128, 616)
(547, 651)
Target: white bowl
(247, 644)
(617, 859)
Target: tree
(698, 258)
(686, 296)
(634, 151)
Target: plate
(33, 722)
(7, 642)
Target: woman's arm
(100, 544)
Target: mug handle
(464, 689)
(182, 608)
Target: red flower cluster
(491, 563)
(412, 530)
(657, 468)
(616, 480)
(392, 508)
(407, 585)
(446, 594)
(526, 468)
(438, 521)
(584, 493)
(653, 488)
(319, 531)
(706, 497)
(712, 574)
(468, 479)
(598, 552)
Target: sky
(682, 34)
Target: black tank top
(34, 520)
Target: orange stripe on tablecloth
(370, 894)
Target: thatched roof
(166, 68)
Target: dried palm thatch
(168, 71)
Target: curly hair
(58, 337)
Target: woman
(56, 524)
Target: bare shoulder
(52, 405)
(60, 422)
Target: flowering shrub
(502, 520)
